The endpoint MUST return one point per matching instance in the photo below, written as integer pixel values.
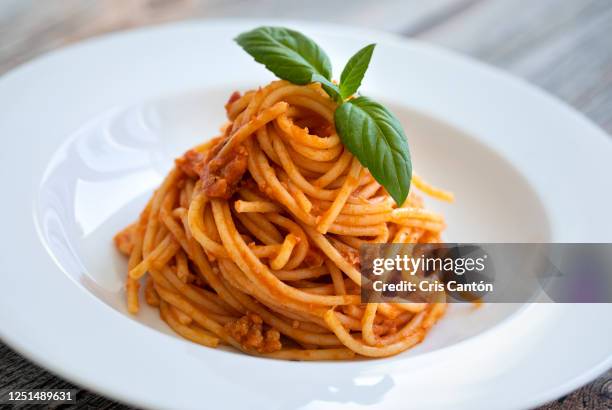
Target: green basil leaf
(330, 88)
(376, 138)
(289, 54)
(355, 69)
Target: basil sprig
(368, 130)
(287, 53)
(376, 138)
(354, 70)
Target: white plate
(89, 131)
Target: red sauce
(220, 175)
(249, 332)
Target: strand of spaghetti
(165, 215)
(256, 271)
(367, 323)
(434, 314)
(151, 296)
(124, 239)
(334, 210)
(410, 235)
(383, 237)
(133, 285)
(183, 318)
(331, 252)
(250, 127)
(264, 141)
(365, 350)
(297, 274)
(399, 214)
(318, 326)
(335, 171)
(426, 225)
(321, 106)
(132, 288)
(354, 242)
(151, 229)
(354, 311)
(284, 253)
(360, 209)
(261, 228)
(251, 194)
(303, 137)
(411, 307)
(389, 310)
(189, 333)
(349, 322)
(327, 289)
(268, 183)
(160, 255)
(349, 253)
(264, 251)
(302, 247)
(162, 232)
(296, 177)
(209, 222)
(182, 270)
(312, 354)
(183, 193)
(311, 98)
(402, 234)
(336, 277)
(307, 165)
(194, 296)
(300, 197)
(369, 190)
(188, 191)
(315, 93)
(348, 230)
(431, 190)
(236, 107)
(364, 220)
(196, 225)
(216, 299)
(412, 327)
(256, 206)
(253, 106)
(209, 225)
(210, 277)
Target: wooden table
(563, 46)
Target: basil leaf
(355, 69)
(376, 138)
(287, 53)
(330, 88)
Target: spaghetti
(252, 239)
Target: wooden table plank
(560, 45)
(27, 30)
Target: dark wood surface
(563, 46)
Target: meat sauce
(220, 174)
(249, 332)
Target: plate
(91, 129)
